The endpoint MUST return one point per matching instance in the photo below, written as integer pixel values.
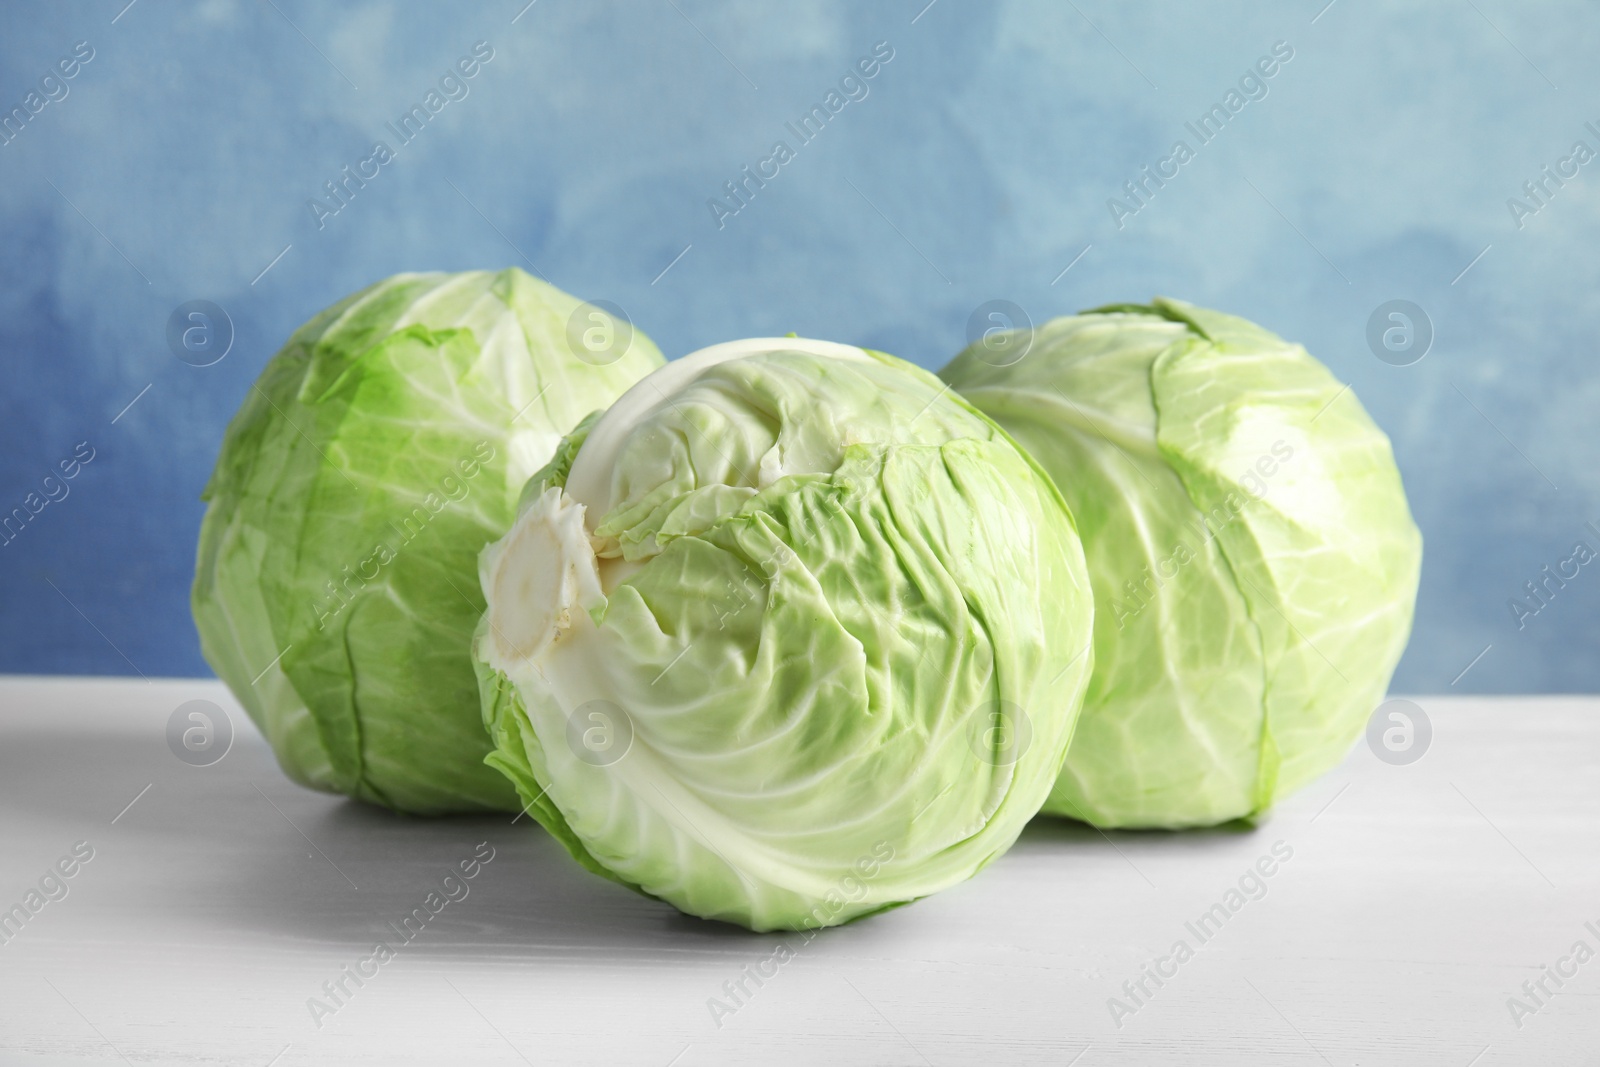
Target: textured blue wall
(176, 164)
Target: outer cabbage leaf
(1254, 562)
(385, 444)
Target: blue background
(979, 166)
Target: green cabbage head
(335, 590)
(788, 636)
(1253, 559)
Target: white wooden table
(1416, 902)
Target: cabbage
(335, 587)
(788, 636)
(1253, 560)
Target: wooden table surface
(1406, 908)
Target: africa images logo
(453, 85)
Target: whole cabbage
(335, 590)
(1254, 562)
(788, 636)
